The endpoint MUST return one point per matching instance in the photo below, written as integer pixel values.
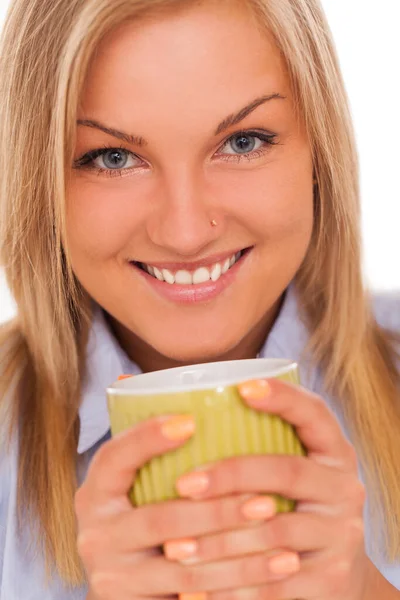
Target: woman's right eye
(109, 161)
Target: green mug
(225, 425)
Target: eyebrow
(236, 118)
(135, 140)
(229, 121)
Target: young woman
(179, 184)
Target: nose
(184, 218)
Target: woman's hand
(121, 546)
(326, 531)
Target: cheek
(276, 207)
(101, 221)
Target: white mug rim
(141, 385)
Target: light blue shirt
(22, 574)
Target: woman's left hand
(324, 536)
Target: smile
(188, 277)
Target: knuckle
(356, 493)
(220, 545)
(294, 474)
(219, 514)
(155, 524)
(232, 543)
(227, 512)
(337, 576)
(158, 523)
(354, 532)
(189, 579)
(273, 534)
(233, 507)
(89, 543)
(252, 569)
(230, 473)
(215, 546)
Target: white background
(368, 43)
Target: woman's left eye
(248, 144)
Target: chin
(194, 351)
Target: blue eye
(244, 143)
(249, 144)
(110, 161)
(115, 159)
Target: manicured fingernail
(284, 564)
(180, 549)
(124, 377)
(178, 428)
(198, 596)
(261, 507)
(193, 484)
(254, 390)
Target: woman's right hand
(111, 533)
(121, 546)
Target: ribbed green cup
(225, 425)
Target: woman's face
(196, 157)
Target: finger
(292, 531)
(114, 465)
(315, 579)
(154, 524)
(316, 425)
(175, 578)
(294, 477)
(105, 586)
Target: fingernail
(198, 596)
(284, 564)
(261, 507)
(255, 391)
(178, 428)
(180, 549)
(193, 484)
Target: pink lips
(193, 294)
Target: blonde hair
(45, 53)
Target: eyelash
(86, 161)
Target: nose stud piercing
(213, 223)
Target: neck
(148, 359)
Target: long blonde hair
(45, 52)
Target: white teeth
(216, 272)
(201, 276)
(183, 278)
(158, 274)
(168, 276)
(225, 266)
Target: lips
(200, 282)
(188, 277)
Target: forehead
(198, 57)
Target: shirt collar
(289, 338)
(106, 361)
